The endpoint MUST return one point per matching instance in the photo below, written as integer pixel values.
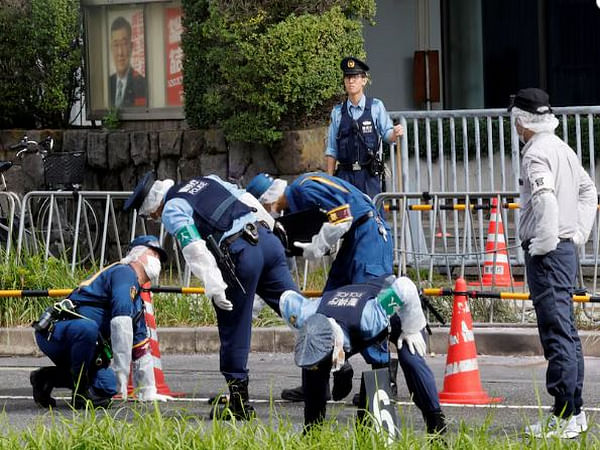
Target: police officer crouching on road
(94, 335)
(355, 319)
(355, 132)
(217, 229)
(559, 203)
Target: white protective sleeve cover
(411, 313)
(326, 238)
(545, 209)
(121, 338)
(143, 377)
(203, 264)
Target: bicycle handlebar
(30, 146)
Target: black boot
(238, 407)
(342, 382)
(86, 397)
(297, 394)
(43, 381)
(435, 422)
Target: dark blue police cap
(351, 65)
(140, 192)
(532, 100)
(315, 341)
(150, 241)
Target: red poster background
(174, 56)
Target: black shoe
(42, 382)
(342, 382)
(237, 405)
(293, 395)
(435, 422)
(219, 399)
(297, 394)
(82, 399)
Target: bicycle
(56, 221)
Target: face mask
(152, 268)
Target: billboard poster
(174, 57)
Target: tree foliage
(256, 68)
(40, 59)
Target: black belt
(350, 166)
(246, 231)
(526, 242)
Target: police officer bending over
(354, 319)
(355, 132)
(207, 212)
(102, 319)
(366, 251)
(559, 204)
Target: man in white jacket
(559, 203)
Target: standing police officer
(559, 202)
(354, 319)
(103, 315)
(355, 132)
(209, 210)
(366, 252)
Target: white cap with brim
(155, 197)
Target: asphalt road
(519, 380)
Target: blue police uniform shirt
(327, 192)
(118, 288)
(383, 123)
(178, 213)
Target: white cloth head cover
(338, 357)
(155, 196)
(134, 254)
(274, 192)
(538, 123)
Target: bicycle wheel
(57, 233)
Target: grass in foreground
(148, 428)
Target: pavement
(499, 341)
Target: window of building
(134, 59)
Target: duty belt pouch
(251, 233)
(103, 353)
(376, 166)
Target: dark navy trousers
(551, 279)
(262, 269)
(362, 179)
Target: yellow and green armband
(340, 214)
(187, 234)
(389, 301)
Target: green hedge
(40, 57)
(257, 68)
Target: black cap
(532, 100)
(140, 192)
(351, 65)
(150, 241)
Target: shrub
(40, 58)
(257, 69)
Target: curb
(490, 341)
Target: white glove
(326, 238)
(221, 302)
(414, 341)
(143, 379)
(202, 264)
(579, 239)
(410, 313)
(545, 209)
(121, 337)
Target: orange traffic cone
(159, 377)
(461, 380)
(496, 270)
